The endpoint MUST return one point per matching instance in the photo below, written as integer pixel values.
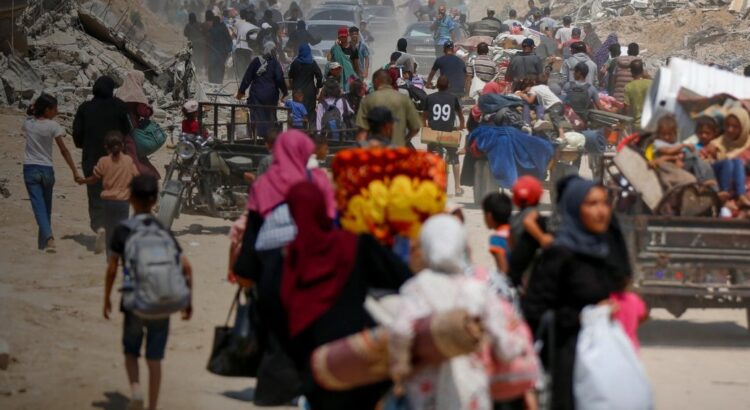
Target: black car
(421, 44)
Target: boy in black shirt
(143, 194)
(442, 109)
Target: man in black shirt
(442, 109)
(524, 64)
(452, 67)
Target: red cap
(343, 32)
(527, 191)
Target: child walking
(116, 170)
(497, 208)
(40, 130)
(144, 191)
(297, 111)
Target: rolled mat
(362, 358)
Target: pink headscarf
(291, 151)
(492, 88)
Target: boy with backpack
(332, 111)
(157, 282)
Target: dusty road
(66, 356)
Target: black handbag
(236, 350)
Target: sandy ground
(66, 356)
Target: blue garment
(730, 173)
(40, 180)
(454, 68)
(364, 53)
(298, 113)
(492, 103)
(304, 54)
(155, 331)
(444, 29)
(511, 153)
(264, 90)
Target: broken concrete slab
(89, 16)
(708, 35)
(20, 79)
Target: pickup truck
(679, 260)
(690, 262)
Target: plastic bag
(148, 137)
(607, 373)
(477, 85)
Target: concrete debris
(20, 80)
(4, 191)
(72, 44)
(704, 36)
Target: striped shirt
(485, 68)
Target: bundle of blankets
(511, 153)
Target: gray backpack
(154, 285)
(579, 99)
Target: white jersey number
(441, 112)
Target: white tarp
(698, 78)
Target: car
(327, 31)
(421, 44)
(380, 19)
(350, 14)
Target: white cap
(334, 65)
(190, 106)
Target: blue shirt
(455, 69)
(298, 113)
(444, 29)
(364, 52)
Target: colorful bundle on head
(388, 191)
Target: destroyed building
(68, 44)
(708, 31)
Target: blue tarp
(491, 103)
(512, 153)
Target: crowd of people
(309, 277)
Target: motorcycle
(207, 176)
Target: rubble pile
(704, 35)
(73, 44)
(708, 31)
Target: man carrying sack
(440, 131)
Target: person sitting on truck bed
(668, 149)
(731, 153)
(707, 129)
